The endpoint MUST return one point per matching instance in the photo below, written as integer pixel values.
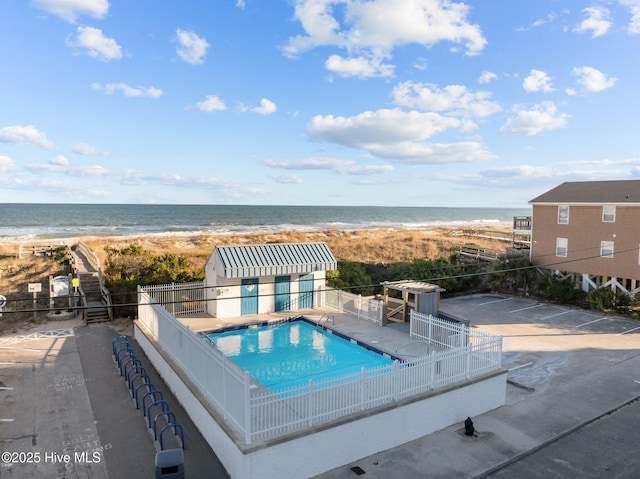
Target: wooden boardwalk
(96, 299)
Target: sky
(315, 102)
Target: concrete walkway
(67, 413)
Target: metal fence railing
(179, 299)
(354, 304)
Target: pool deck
(393, 339)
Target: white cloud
(267, 107)
(360, 67)
(520, 172)
(240, 3)
(211, 103)
(86, 150)
(593, 80)
(310, 164)
(368, 170)
(487, 77)
(287, 178)
(455, 99)
(371, 30)
(59, 160)
(98, 46)
(542, 117)
(398, 136)
(381, 126)
(6, 164)
(24, 135)
(597, 22)
(550, 18)
(432, 153)
(634, 22)
(111, 88)
(346, 167)
(193, 48)
(537, 81)
(70, 10)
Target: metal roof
(592, 192)
(246, 261)
(414, 287)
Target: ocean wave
(29, 223)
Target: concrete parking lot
(574, 375)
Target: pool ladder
(326, 318)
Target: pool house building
(437, 373)
(256, 279)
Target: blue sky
(315, 102)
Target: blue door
(249, 296)
(305, 299)
(282, 288)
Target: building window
(561, 246)
(609, 214)
(563, 215)
(606, 249)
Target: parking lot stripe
(496, 301)
(6, 420)
(528, 307)
(6, 388)
(518, 367)
(594, 321)
(628, 331)
(557, 314)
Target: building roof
(246, 261)
(592, 192)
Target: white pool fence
(257, 414)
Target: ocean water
(50, 221)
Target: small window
(609, 214)
(561, 246)
(563, 215)
(606, 249)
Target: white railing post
(396, 381)
(363, 373)
(310, 406)
(248, 429)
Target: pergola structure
(417, 295)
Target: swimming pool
(285, 355)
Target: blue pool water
(285, 355)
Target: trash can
(170, 464)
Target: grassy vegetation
(365, 259)
(15, 276)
